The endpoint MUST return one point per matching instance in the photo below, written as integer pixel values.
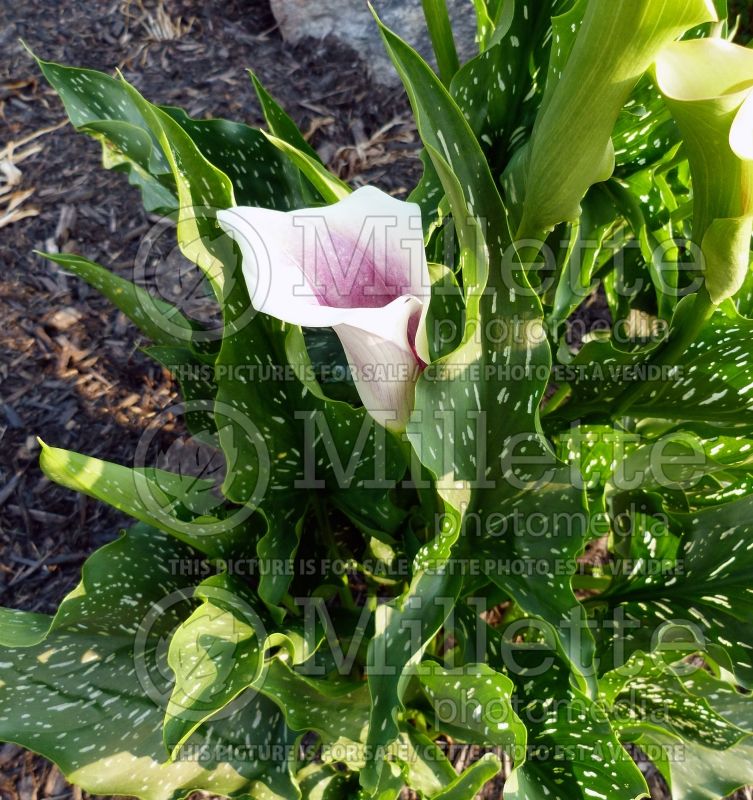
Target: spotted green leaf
(162, 323)
(260, 175)
(489, 18)
(473, 704)
(89, 693)
(645, 131)
(103, 107)
(711, 382)
(183, 505)
(403, 629)
(99, 105)
(707, 591)
(215, 655)
(572, 749)
(336, 708)
(693, 770)
(648, 694)
(499, 90)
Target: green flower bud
(571, 146)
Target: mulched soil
(71, 371)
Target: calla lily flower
(571, 146)
(708, 86)
(358, 266)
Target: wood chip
(65, 318)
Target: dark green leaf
(89, 693)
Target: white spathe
(708, 86)
(358, 266)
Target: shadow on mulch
(71, 370)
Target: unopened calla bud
(571, 147)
